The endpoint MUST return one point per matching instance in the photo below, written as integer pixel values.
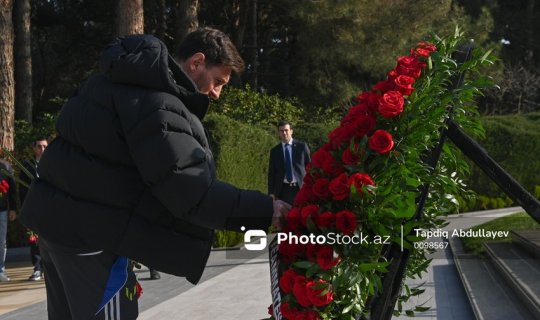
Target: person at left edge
(7, 212)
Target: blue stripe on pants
(117, 279)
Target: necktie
(288, 164)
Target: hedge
(514, 142)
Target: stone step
(529, 239)
(489, 294)
(520, 269)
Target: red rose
(363, 124)
(324, 160)
(404, 84)
(409, 66)
(355, 111)
(312, 211)
(318, 296)
(346, 222)
(320, 188)
(309, 178)
(392, 74)
(391, 104)
(335, 140)
(371, 99)
(388, 84)
(311, 251)
(318, 157)
(294, 218)
(338, 187)
(289, 251)
(32, 239)
(286, 282)
(342, 133)
(384, 86)
(287, 311)
(307, 315)
(326, 220)
(303, 196)
(381, 141)
(423, 49)
(271, 310)
(331, 167)
(325, 257)
(350, 156)
(300, 291)
(360, 179)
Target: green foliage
(514, 142)
(241, 152)
(254, 108)
(227, 239)
(322, 51)
(314, 134)
(25, 133)
(481, 202)
(265, 111)
(361, 49)
(518, 221)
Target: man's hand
(280, 212)
(12, 215)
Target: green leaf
(303, 264)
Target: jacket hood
(143, 60)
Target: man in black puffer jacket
(131, 175)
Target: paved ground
(236, 286)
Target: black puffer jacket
(131, 172)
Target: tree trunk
(188, 21)
(241, 14)
(253, 52)
(23, 61)
(531, 43)
(129, 17)
(7, 83)
(161, 25)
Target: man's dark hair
(39, 138)
(284, 123)
(216, 46)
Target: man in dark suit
(38, 147)
(287, 165)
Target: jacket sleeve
(307, 159)
(180, 174)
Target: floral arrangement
(363, 183)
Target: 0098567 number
(431, 245)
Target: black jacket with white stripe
(131, 171)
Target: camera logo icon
(260, 235)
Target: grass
(518, 221)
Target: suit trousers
(288, 193)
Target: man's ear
(196, 61)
